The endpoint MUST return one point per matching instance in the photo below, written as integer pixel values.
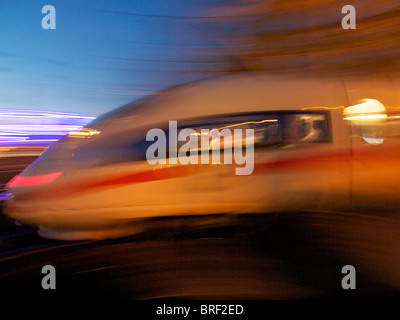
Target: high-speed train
(318, 143)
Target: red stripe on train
(338, 160)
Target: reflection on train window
(221, 132)
(304, 128)
(271, 129)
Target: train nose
(5, 198)
(7, 205)
(11, 208)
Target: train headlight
(367, 119)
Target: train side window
(300, 128)
(222, 130)
(271, 129)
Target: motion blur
(322, 103)
(26, 134)
(313, 151)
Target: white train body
(88, 185)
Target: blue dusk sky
(102, 54)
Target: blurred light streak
(84, 133)
(181, 17)
(29, 132)
(369, 109)
(367, 117)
